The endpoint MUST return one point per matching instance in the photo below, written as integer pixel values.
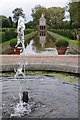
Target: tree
(74, 10)
(16, 13)
(29, 24)
(11, 21)
(53, 15)
(36, 13)
(0, 21)
(5, 22)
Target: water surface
(49, 96)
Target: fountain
(22, 106)
(18, 71)
(50, 96)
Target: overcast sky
(7, 6)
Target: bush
(10, 34)
(0, 29)
(7, 34)
(7, 29)
(27, 31)
(61, 43)
(13, 43)
(2, 37)
(66, 32)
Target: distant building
(42, 23)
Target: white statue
(20, 30)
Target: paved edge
(58, 63)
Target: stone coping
(64, 63)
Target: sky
(7, 6)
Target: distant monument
(42, 23)
(20, 31)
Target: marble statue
(20, 31)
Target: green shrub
(66, 32)
(0, 29)
(61, 43)
(27, 31)
(2, 37)
(9, 29)
(4, 29)
(10, 34)
(13, 43)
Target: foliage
(66, 32)
(10, 34)
(61, 43)
(5, 22)
(75, 43)
(7, 34)
(11, 21)
(74, 10)
(0, 37)
(37, 11)
(27, 31)
(30, 25)
(0, 21)
(53, 15)
(9, 29)
(16, 13)
(13, 43)
(3, 36)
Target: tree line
(54, 17)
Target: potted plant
(61, 46)
(15, 50)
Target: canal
(44, 44)
(41, 44)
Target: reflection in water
(42, 38)
(41, 44)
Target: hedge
(10, 34)
(2, 37)
(27, 31)
(66, 32)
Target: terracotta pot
(61, 50)
(16, 50)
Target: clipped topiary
(13, 43)
(61, 43)
(61, 46)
